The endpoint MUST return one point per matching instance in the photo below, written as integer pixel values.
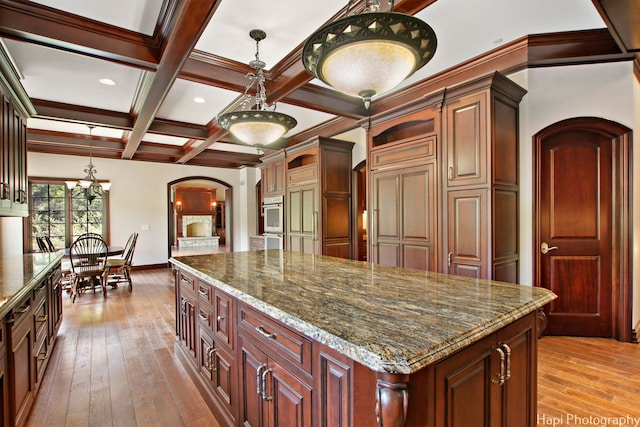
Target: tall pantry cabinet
(448, 162)
(318, 197)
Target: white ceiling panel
(179, 104)
(165, 139)
(70, 127)
(286, 24)
(138, 15)
(60, 76)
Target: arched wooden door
(582, 219)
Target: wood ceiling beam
(35, 23)
(191, 19)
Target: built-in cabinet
(13, 160)
(480, 179)
(27, 337)
(448, 162)
(273, 170)
(318, 197)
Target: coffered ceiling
(163, 54)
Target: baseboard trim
(148, 266)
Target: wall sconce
(213, 205)
(178, 206)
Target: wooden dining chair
(88, 256)
(117, 268)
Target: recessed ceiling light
(199, 100)
(107, 82)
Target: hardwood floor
(588, 382)
(113, 365)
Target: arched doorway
(199, 216)
(582, 226)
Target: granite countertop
(20, 273)
(386, 318)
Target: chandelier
(370, 53)
(89, 186)
(262, 125)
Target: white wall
(138, 197)
(555, 94)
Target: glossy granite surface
(386, 318)
(20, 273)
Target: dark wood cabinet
(4, 395)
(480, 138)
(282, 398)
(28, 333)
(491, 383)
(20, 362)
(206, 342)
(13, 160)
(186, 314)
(318, 197)
(403, 208)
(273, 170)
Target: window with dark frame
(63, 214)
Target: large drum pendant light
(370, 53)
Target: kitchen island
(284, 338)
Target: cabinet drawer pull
(42, 318)
(42, 356)
(264, 386)
(264, 333)
(203, 291)
(258, 377)
(507, 351)
(501, 374)
(219, 318)
(209, 362)
(450, 173)
(204, 316)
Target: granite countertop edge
(29, 284)
(361, 355)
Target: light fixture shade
(71, 184)
(106, 186)
(369, 53)
(257, 127)
(84, 183)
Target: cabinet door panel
(467, 141)
(418, 198)
(386, 205)
(291, 398)
(309, 211)
(467, 234)
(333, 376)
(252, 363)
(22, 387)
(418, 257)
(295, 211)
(3, 393)
(223, 322)
(387, 254)
(463, 384)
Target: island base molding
(253, 370)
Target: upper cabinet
(13, 161)
(273, 174)
(15, 108)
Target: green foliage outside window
(63, 215)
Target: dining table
(112, 250)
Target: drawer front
(277, 338)
(205, 293)
(20, 313)
(187, 283)
(39, 292)
(404, 153)
(205, 317)
(302, 174)
(40, 319)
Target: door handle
(544, 248)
